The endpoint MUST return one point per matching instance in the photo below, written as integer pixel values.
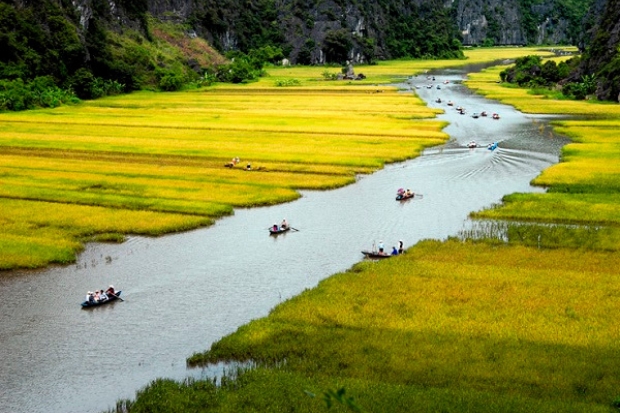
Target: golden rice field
(448, 326)
(157, 159)
(584, 186)
(388, 71)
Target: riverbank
(582, 199)
(452, 326)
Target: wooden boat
(376, 254)
(402, 197)
(483, 113)
(472, 144)
(495, 116)
(280, 230)
(111, 298)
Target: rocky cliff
(601, 58)
(374, 27)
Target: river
(184, 291)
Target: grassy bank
(583, 190)
(448, 327)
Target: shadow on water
(184, 291)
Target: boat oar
(117, 296)
(294, 229)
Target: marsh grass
(532, 329)
(165, 154)
(584, 188)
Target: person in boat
(102, 295)
(284, 224)
(110, 291)
(400, 246)
(408, 193)
(394, 251)
(89, 297)
(275, 228)
(381, 247)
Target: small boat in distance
(279, 230)
(472, 144)
(401, 194)
(111, 298)
(483, 113)
(495, 116)
(376, 255)
(492, 146)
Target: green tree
(336, 45)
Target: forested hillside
(54, 50)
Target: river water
(184, 291)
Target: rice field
(164, 153)
(158, 160)
(448, 326)
(583, 188)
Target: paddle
(294, 229)
(117, 296)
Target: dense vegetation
(573, 11)
(530, 71)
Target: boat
(483, 113)
(472, 144)
(401, 194)
(376, 254)
(280, 230)
(495, 116)
(475, 115)
(111, 298)
(402, 197)
(450, 103)
(492, 146)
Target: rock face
(302, 24)
(514, 23)
(369, 29)
(602, 56)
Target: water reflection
(184, 291)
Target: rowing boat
(279, 230)
(375, 254)
(402, 197)
(111, 298)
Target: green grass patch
(531, 329)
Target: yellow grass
(584, 186)
(165, 153)
(516, 322)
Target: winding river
(184, 291)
